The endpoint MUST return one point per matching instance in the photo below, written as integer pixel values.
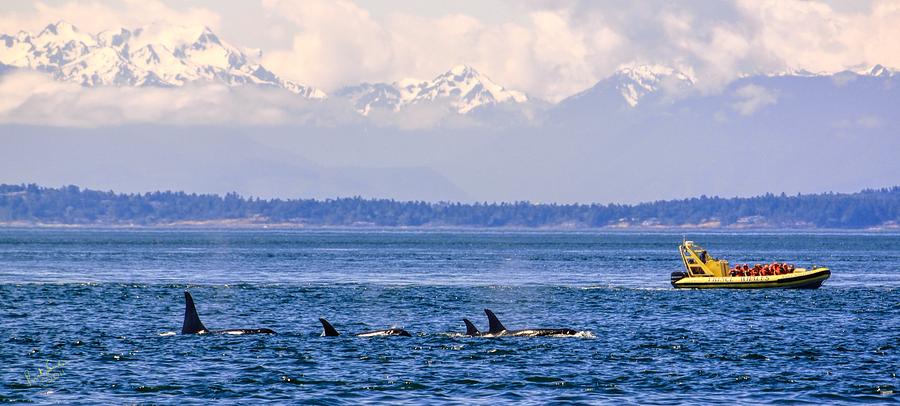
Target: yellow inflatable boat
(702, 271)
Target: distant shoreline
(35, 206)
(251, 226)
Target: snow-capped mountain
(791, 72)
(153, 55)
(630, 87)
(636, 81)
(633, 84)
(171, 55)
(463, 87)
(876, 70)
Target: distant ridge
(23, 205)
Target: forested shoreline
(30, 204)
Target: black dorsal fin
(471, 330)
(494, 324)
(327, 329)
(192, 323)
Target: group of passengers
(762, 270)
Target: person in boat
(746, 270)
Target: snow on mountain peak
(61, 28)
(461, 70)
(171, 36)
(463, 87)
(801, 72)
(468, 89)
(158, 54)
(635, 81)
(876, 70)
(650, 72)
(61, 34)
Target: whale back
(494, 324)
(192, 323)
(327, 329)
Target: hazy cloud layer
(35, 98)
(752, 98)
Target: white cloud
(814, 36)
(33, 98)
(334, 40)
(562, 47)
(751, 98)
(96, 16)
(550, 49)
(865, 121)
(338, 43)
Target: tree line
(30, 203)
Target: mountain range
(462, 86)
(154, 55)
(171, 56)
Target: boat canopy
(698, 262)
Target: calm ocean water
(96, 308)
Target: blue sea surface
(88, 316)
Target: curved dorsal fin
(471, 330)
(494, 324)
(192, 323)
(327, 329)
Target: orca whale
(471, 330)
(329, 331)
(496, 329)
(193, 325)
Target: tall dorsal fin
(494, 324)
(471, 330)
(192, 323)
(327, 329)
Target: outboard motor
(677, 276)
